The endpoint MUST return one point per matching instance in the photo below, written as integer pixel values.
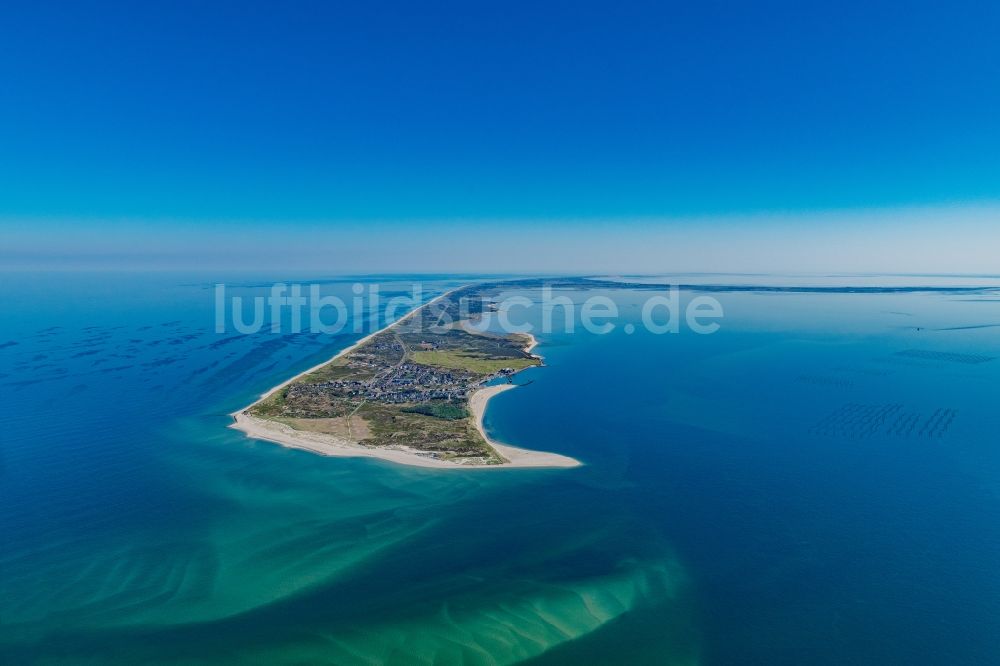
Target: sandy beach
(329, 445)
(516, 457)
(532, 343)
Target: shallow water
(815, 483)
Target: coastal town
(409, 386)
(406, 383)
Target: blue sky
(133, 133)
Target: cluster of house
(410, 382)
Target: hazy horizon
(448, 137)
(960, 239)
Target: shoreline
(346, 350)
(516, 457)
(532, 343)
(329, 445)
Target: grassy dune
(470, 361)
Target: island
(414, 392)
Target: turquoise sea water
(815, 483)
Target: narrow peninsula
(413, 393)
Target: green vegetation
(297, 401)
(440, 410)
(472, 362)
(337, 370)
(272, 406)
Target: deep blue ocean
(818, 482)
